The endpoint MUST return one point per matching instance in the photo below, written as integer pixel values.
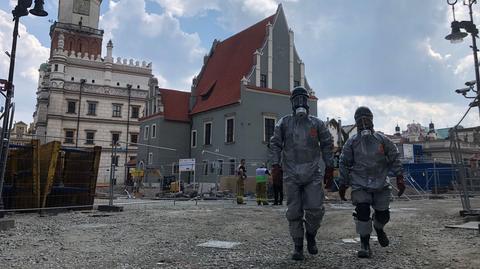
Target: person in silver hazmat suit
(367, 158)
(298, 144)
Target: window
(93, 81)
(55, 67)
(134, 139)
(118, 83)
(117, 110)
(71, 107)
(229, 130)
(194, 139)
(212, 167)
(220, 167)
(150, 158)
(154, 131)
(135, 112)
(263, 81)
(268, 127)
(92, 108)
(232, 167)
(205, 167)
(207, 133)
(90, 138)
(296, 83)
(145, 134)
(115, 160)
(69, 137)
(115, 138)
(72, 78)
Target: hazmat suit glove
(328, 177)
(342, 189)
(400, 185)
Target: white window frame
(150, 158)
(233, 132)
(205, 132)
(154, 130)
(220, 167)
(193, 140)
(146, 132)
(264, 118)
(205, 167)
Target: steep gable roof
(175, 105)
(232, 59)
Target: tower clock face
(81, 7)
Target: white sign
(186, 165)
(408, 153)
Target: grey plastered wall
(170, 134)
(218, 145)
(281, 54)
(249, 140)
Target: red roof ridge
(250, 27)
(271, 90)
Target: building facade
(86, 100)
(240, 93)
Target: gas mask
(364, 126)
(299, 101)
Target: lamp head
(456, 36)
(22, 8)
(38, 10)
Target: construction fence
(49, 176)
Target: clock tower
(77, 28)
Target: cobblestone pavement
(159, 234)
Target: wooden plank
(51, 152)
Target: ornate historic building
(84, 99)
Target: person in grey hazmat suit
(367, 158)
(299, 142)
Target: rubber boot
(311, 244)
(365, 251)
(298, 251)
(382, 237)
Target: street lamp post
(82, 82)
(457, 36)
(129, 89)
(20, 10)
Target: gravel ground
(164, 235)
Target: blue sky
(389, 55)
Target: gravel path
(163, 235)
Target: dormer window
(207, 94)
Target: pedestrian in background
(277, 182)
(261, 175)
(241, 176)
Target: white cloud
(464, 65)
(156, 37)
(188, 8)
(389, 111)
(432, 53)
(29, 55)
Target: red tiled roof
(175, 105)
(232, 59)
